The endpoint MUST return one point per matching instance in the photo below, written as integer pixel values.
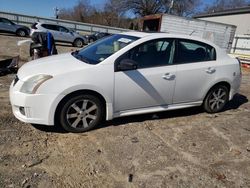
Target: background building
(239, 17)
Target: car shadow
(237, 101)
(12, 35)
(8, 34)
(51, 129)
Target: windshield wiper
(82, 58)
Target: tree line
(125, 13)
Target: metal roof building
(239, 17)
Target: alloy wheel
(217, 99)
(81, 113)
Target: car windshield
(102, 49)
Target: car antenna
(191, 33)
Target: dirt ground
(184, 148)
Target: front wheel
(216, 99)
(81, 113)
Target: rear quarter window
(189, 51)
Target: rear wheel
(81, 113)
(78, 43)
(216, 99)
(21, 32)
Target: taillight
(34, 26)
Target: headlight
(32, 84)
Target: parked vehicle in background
(96, 36)
(121, 75)
(60, 33)
(10, 27)
(220, 34)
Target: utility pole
(56, 11)
(171, 6)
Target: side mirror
(126, 65)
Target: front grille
(15, 80)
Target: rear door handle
(210, 70)
(168, 76)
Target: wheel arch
(77, 92)
(224, 83)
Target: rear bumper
(235, 87)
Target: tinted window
(63, 29)
(152, 54)
(51, 27)
(3, 20)
(194, 51)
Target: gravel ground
(184, 148)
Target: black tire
(21, 33)
(75, 114)
(216, 99)
(78, 43)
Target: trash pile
(40, 45)
(9, 66)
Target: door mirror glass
(126, 65)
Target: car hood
(53, 65)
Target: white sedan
(121, 75)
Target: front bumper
(33, 108)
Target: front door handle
(168, 76)
(210, 70)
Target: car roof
(136, 34)
(50, 23)
(167, 35)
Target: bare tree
(114, 12)
(80, 12)
(183, 7)
(147, 7)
